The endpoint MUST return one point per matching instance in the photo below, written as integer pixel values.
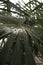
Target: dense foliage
(28, 21)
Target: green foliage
(27, 39)
(31, 10)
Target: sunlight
(14, 1)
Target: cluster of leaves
(32, 11)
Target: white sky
(23, 0)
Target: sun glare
(14, 1)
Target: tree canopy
(28, 18)
(31, 12)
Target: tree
(29, 39)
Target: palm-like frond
(23, 40)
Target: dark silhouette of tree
(24, 33)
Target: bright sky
(19, 0)
(23, 0)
